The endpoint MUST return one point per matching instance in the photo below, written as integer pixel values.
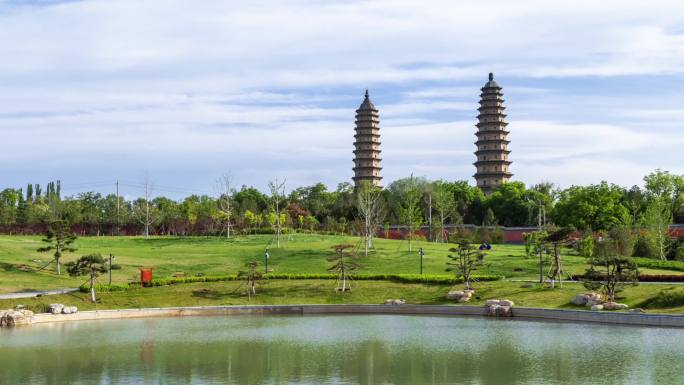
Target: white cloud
(100, 87)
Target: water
(376, 349)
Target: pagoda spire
(492, 162)
(367, 144)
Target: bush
(644, 247)
(659, 264)
(676, 250)
(665, 299)
(405, 278)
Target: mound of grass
(665, 299)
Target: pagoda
(367, 144)
(492, 139)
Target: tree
(464, 261)
(143, 210)
(223, 200)
(657, 219)
(59, 238)
(410, 211)
(557, 239)
(445, 205)
(594, 207)
(608, 271)
(251, 277)
(92, 265)
(343, 265)
(368, 206)
(276, 206)
(668, 187)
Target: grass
(302, 254)
(322, 292)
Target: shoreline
(525, 313)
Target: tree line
(411, 202)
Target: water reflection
(341, 349)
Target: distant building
(492, 139)
(367, 144)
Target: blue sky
(183, 91)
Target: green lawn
(303, 253)
(322, 292)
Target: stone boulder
(587, 299)
(69, 309)
(460, 295)
(597, 307)
(614, 306)
(13, 317)
(637, 310)
(499, 308)
(387, 302)
(506, 302)
(56, 308)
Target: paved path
(29, 294)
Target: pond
(354, 349)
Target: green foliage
(609, 271)
(659, 264)
(586, 246)
(665, 299)
(59, 239)
(463, 263)
(644, 247)
(594, 207)
(92, 265)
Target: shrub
(659, 264)
(405, 278)
(665, 299)
(644, 247)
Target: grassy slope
(321, 292)
(302, 254)
(217, 256)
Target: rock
(454, 294)
(637, 310)
(492, 302)
(15, 317)
(503, 311)
(387, 302)
(74, 309)
(499, 308)
(614, 306)
(597, 307)
(19, 307)
(506, 302)
(579, 300)
(587, 299)
(465, 298)
(56, 308)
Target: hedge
(404, 278)
(659, 264)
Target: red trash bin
(145, 276)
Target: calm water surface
(339, 350)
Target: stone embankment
(499, 309)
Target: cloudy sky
(184, 91)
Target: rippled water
(339, 350)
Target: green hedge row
(404, 278)
(659, 264)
